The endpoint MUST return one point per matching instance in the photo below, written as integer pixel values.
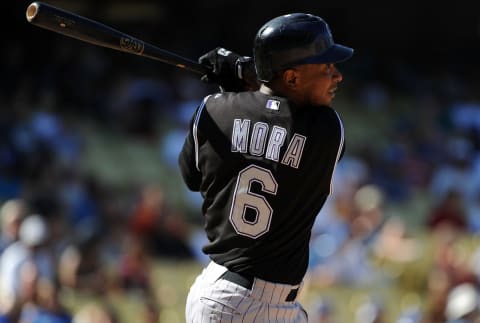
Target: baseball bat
(73, 25)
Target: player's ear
(290, 78)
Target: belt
(246, 281)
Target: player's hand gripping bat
(90, 31)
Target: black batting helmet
(295, 39)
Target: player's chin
(323, 98)
(327, 99)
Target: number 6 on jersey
(244, 199)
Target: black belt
(247, 282)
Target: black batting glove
(228, 70)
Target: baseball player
(263, 161)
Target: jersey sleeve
(188, 157)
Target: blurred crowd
(63, 229)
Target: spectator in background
(29, 254)
(332, 225)
(465, 116)
(12, 213)
(473, 213)
(81, 267)
(449, 214)
(134, 276)
(162, 230)
(370, 311)
(412, 314)
(450, 268)
(95, 313)
(16, 307)
(45, 305)
(323, 311)
(151, 312)
(350, 263)
(44, 200)
(475, 262)
(462, 305)
(457, 172)
(395, 244)
(135, 104)
(135, 269)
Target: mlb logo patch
(273, 105)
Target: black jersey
(264, 168)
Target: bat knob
(32, 11)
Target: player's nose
(337, 75)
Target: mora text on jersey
(258, 140)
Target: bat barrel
(93, 32)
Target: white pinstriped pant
(214, 300)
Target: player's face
(318, 83)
